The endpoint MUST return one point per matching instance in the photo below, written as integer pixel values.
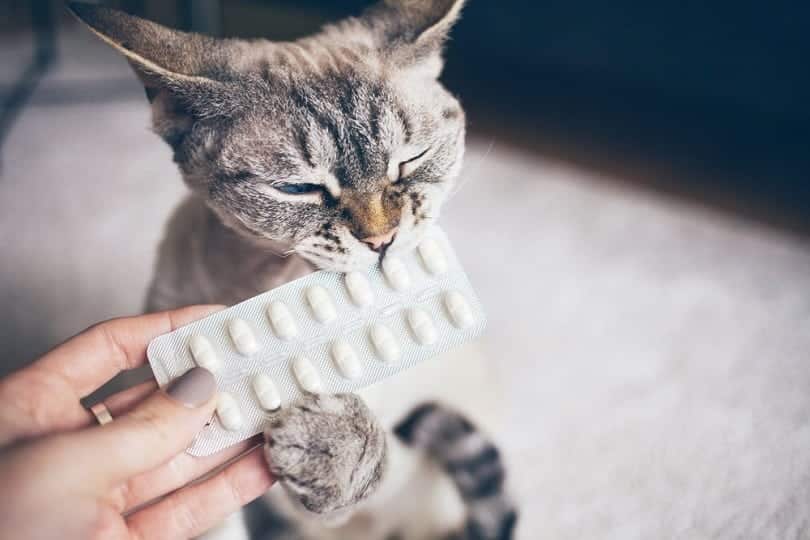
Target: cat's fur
(355, 118)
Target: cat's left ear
(185, 75)
(412, 33)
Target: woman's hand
(63, 476)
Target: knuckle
(154, 426)
(151, 420)
(235, 490)
(184, 517)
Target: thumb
(155, 431)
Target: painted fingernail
(193, 388)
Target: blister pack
(325, 332)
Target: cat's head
(336, 146)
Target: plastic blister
(326, 332)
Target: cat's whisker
(314, 255)
(282, 254)
(467, 171)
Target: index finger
(44, 396)
(95, 356)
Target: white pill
(282, 320)
(359, 289)
(422, 326)
(242, 336)
(266, 392)
(307, 375)
(459, 310)
(228, 412)
(346, 359)
(385, 343)
(396, 273)
(432, 257)
(322, 307)
(203, 352)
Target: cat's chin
(357, 257)
(359, 262)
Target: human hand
(63, 476)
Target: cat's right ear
(177, 69)
(412, 32)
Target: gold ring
(102, 413)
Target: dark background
(716, 92)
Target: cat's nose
(380, 241)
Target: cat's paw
(327, 451)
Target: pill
(432, 257)
(459, 309)
(203, 352)
(346, 359)
(242, 337)
(307, 375)
(322, 307)
(228, 412)
(359, 289)
(266, 392)
(422, 326)
(282, 320)
(384, 343)
(396, 273)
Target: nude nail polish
(193, 388)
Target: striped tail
(473, 463)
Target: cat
(328, 152)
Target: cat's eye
(298, 189)
(407, 167)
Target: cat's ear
(412, 32)
(178, 69)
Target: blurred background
(645, 170)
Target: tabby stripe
(473, 463)
(406, 429)
(466, 447)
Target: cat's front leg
(328, 452)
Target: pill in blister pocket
(203, 352)
(422, 326)
(346, 359)
(459, 309)
(384, 343)
(322, 307)
(396, 273)
(282, 320)
(266, 392)
(242, 337)
(307, 375)
(228, 412)
(432, 257)
(359, 289)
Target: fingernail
(193, 388)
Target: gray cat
(330, 152)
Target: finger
(154, 432)
(99, 353)
(179, 471)
(44, 397)
(193, 510)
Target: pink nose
(381, 240)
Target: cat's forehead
(348, 122)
